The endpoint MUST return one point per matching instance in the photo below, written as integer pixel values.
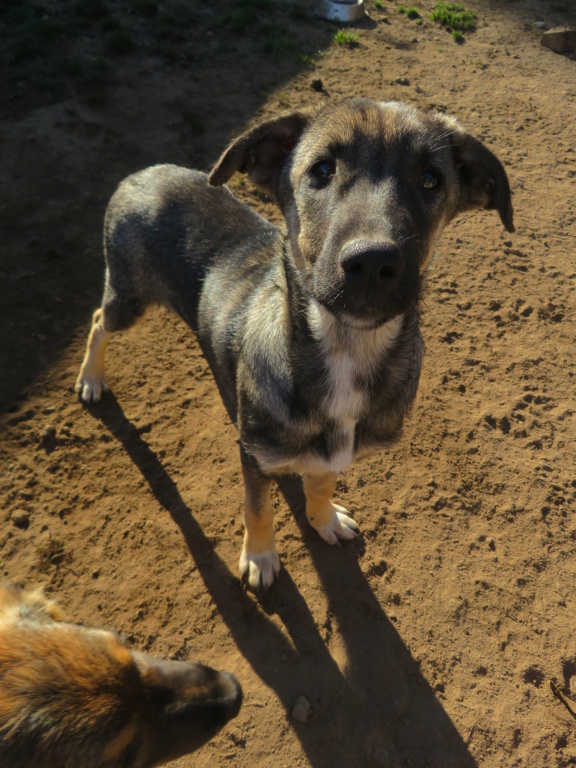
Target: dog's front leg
(259, 558)
(330, 520)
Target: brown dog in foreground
(313, 337)
(72, 697)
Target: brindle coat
(73, 697)
(313, 337)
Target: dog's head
(72, 696)
(366, 188)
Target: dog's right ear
(261, 151)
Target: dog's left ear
(483, 179)
(261, 151)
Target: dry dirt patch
(431, 640)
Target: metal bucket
(343, 11)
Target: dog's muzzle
(370, 269)
(372, 276)
(369, 283)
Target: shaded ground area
(430, 640)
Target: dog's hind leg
(124, 302)
(259, 558)
(330, 520)
(91, 381)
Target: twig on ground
(560, 696)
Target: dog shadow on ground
(378, 711)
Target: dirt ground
(430, 641)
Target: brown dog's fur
(73, 697)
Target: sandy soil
(431, 639)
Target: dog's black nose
(371, 266)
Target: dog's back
(159, 237)
(72, 697)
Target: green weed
(307, 60)
(411, 13)
(454, 16)
(52, 554)
(346, 38)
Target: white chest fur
(351, 355)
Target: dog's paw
(342, 526)
(90, 388)
(261, 569)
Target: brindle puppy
(313, 338)
(72, 697)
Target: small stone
(96, 573)
(302, 710)
(491, 544)
(48, 438)
(559, 39)
(20, 518)
(402, 81)
(540, 25)
(317, 85)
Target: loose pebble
(302, 710)
(20, 518)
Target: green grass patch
(276, 39)
(456, 18)
(411, 12)
(347, 38)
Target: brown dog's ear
(484, 180)
(261, 151)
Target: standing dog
(313, 338)
(72, 697)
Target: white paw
(261, 569)
(91, 387)
(342, 526)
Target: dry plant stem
(560, 696)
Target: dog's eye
(429, 179)
(324, 170)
